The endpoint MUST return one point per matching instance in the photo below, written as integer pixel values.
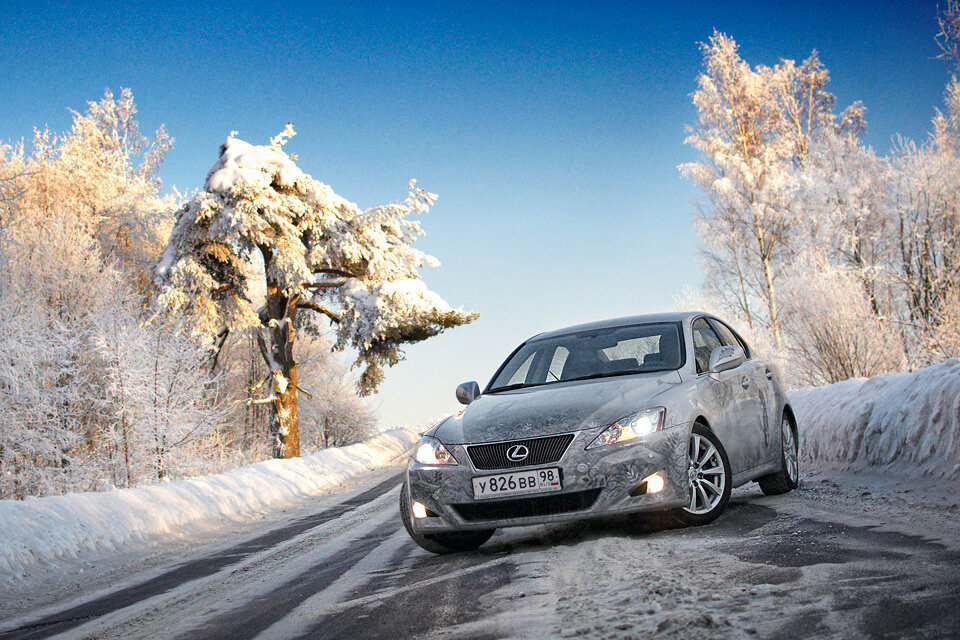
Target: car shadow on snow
(741, 517)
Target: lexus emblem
(517, 453)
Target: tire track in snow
(439, 603)
(256, 615)
(192, 571)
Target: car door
(737, 407)
(760, 399)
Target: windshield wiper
(610, 374)
(518, 385)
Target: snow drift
(43, 529)
(907, 420)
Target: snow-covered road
(846, 556)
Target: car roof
(675, 316)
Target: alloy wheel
(790, 457)
(706, 476)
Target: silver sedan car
(663, 412)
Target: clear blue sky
(551, 131)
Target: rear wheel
(709, 478)
(440, 542)
(789, 475)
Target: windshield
(592, 354)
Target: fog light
(654, 483)
(419, 510)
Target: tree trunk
(277, 316)
(772, 303)
(288, 441)
(285, 426)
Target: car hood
(555, 408)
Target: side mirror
(726, 358)
(468, 392)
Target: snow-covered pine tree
(319, 253)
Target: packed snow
(911, 420)
(254, 165)
(908, 420)
(41, 530)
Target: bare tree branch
(260, 384)
(328, 283)
(219, 342)
(949, 37)
(336, 272)
(319, 308)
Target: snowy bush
(833, 332)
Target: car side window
(705, 340)
(729, 337)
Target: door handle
(769, 374)
(745, 382)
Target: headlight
(630, 427)
(431, 451)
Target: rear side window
(728, 336)
(705, 340)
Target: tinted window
(600, 352)
(520, 375)
(728, 336)
(705, 340)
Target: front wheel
(440, 542)
(788, 477)
(709, 478)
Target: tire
(710, 479)
(440, 542)
(788, 477)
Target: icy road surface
(846, 556)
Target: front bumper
(596, 483)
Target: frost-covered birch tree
(51, 281)
(948, 17)
(850, 262)
(925, 214)
(161, 397)
(755, 131)
(321, 257)
(104, 174)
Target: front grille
(528, 507)
(542, 451)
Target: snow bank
(909, 420)
(43, 529)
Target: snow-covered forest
(842, 260)
(149, 337)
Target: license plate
(517, 483)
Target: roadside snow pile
(911, 420)
(43, 529)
